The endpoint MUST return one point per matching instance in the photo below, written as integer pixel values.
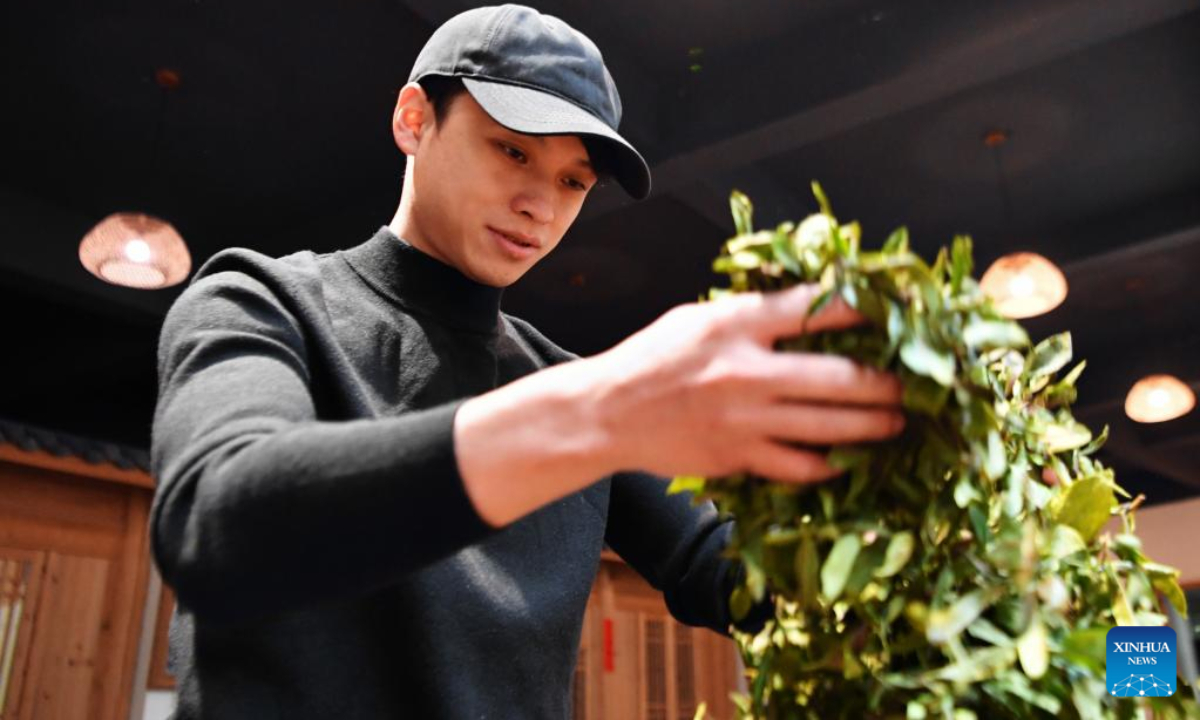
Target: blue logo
(1140, 661)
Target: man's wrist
(535, 440)
(604, 394)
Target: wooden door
(73, 573)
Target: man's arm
(678, 548)
(262, 507)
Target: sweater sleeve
(260, 507)
(679, 549)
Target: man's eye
(576, 185)
(513, 153)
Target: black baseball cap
(537, 75)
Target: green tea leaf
(989, 633)
(1061, 437)
(1121, 610)
(1031, 649)
(1085, 646)
(1019, 685)
(1096, 444)
(1049, 356)
(965, 491)
(961, 264)
(996, 462)
(813, 234)
(1085, 506)
(1086, 694)
(756, 580)
(1066, 541)
(743, 212)
(782, 246)
(897, 242)
(819, 193)
(746, 260)
(980, 334)
(922, 359)
(1038, 494)
(1166, 581)
(836, 570)
(899, 550)
(948, 623)
(1073, 376)
(977, 666)
(1063, 392)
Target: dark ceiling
(278, 139)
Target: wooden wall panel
(67, 654)
(85, 623)
(67, 503)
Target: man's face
(489, 201)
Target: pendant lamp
(135, 249)
(1024, 284)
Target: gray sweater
(310, 516)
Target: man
(379, 496)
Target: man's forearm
(530, 442)
(701, 391)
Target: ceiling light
(1157, 398)
(137, 251)
(134, 249)
(1023, 285)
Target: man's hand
(699, 391)
(702, 391)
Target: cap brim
(533, 112)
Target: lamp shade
(135, 250)
(1158, 398)
(1024, 284)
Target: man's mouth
(515, 239)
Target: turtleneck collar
(424, 284)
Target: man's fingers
(823, 425)
(814, 377)
(785, 313)
(787, 464)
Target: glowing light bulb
(137, 250)
(1021, 285)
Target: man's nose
(534, 204)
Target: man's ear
(412, 118)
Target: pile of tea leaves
(941, 576)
